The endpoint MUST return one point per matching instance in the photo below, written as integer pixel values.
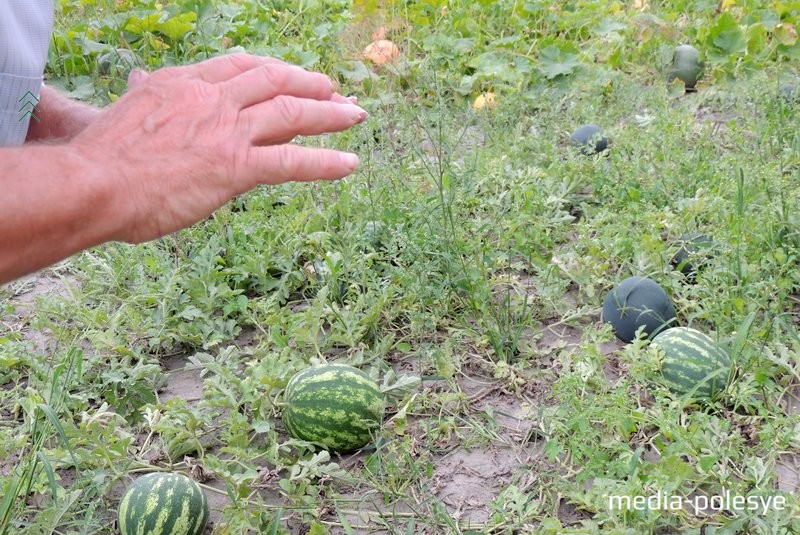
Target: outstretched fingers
(271, 80)
(277, 164)
(224, 68)
(281, 119)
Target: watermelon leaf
(555, 62)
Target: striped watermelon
(162, 503)
(692, 363)
(334, 405)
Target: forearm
(59, 117)
(54, 203)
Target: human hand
(185, 140)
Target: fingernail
(349, 160)
(357, 113)
(354, 100)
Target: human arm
(167, 154)
(59, 117)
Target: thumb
(136, 77)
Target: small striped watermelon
(162, 503)
(692, 363)
(334, 405)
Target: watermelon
(162, 503)
(692, 363)
(686, 66)
(321, 273)
(691, 254)
(637, 302)
(334, 405)
(589, 138)
(790, 92)
(375, 235)
(118, 62)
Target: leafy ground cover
(463, 267)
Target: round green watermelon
(693, 251)
(638, 302)
(118, 62)
(162, 503)
(334, 405)
(375, 235)
(692, 363)
(686, 66)
(790, 92)
(589, 138)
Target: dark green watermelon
(790, 92)
(692, 254)
(686, 66)
(375, 235)
(118, 63)
(589, 138)
(637, 302)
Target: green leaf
(731, 41)
(306, 58)
(54, 421)
(346, 526)
(757, 39)
(353, 71)
(177, 27)
(786, 34)
(462, 46)
(146, 24)
(558, 62)
(190, 313)
(726, 38)
(491, 64)
(676, 469)
(608, 26)
(317, 529)
(48, 470)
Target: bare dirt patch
(216, 502)
(791, 400)
(21, 296)
(182, 382)
(466, 481)
(788, 471)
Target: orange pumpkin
(381, 52)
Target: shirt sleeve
(25, 31)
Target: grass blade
(48, 470)
(54, 421)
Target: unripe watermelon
(692, 363)
(375, 234)
(589, 138)
(686, 66)
(119, 62)
(790, 92)
(334, 405)
(692, 253)
(162, 503)
(637, 302)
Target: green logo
(30, 100)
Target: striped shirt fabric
(25, 31)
